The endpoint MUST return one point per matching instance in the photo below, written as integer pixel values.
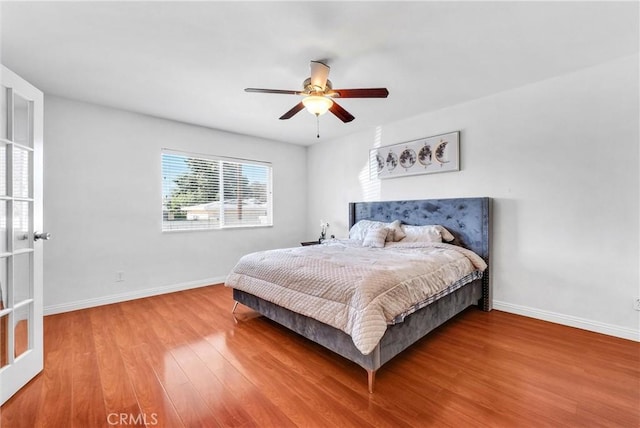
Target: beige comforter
(356, 289)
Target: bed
(468, 220)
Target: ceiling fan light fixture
(317, 105)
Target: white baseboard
(571, 321)
(585, 324)
(123, 297)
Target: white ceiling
(190, 61)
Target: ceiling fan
(319, 95)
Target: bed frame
(468, 219)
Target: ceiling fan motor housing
(310, 89)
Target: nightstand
(307, 243)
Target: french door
(21, 128)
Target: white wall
(560, 159)
(103, 205)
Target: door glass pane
(3, 112)
(21, 318)
(21, 128)
(3, 169)
(4, 341)
(21, 238)
(3, 226)
(4, 283)
(21, 278)
(21, 173)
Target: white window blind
(209, 192)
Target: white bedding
(356, 289)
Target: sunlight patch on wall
(369, 183)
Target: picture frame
(438, 153)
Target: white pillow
(427, 233)
(375, 238)
(360, 229)
(421, 234)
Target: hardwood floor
(180, 360)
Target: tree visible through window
(203, 192)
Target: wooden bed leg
(233, 312)
(371, 374)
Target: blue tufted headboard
(468, 219)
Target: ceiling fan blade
(293, 111)
(319, 74)
(341, 113)
(273, 91)
(359, 93)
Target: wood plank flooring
(180, 360)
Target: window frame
(221, 159)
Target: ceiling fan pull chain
(318, 125)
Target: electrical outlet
(119, 276)
(636, 304)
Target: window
(209, 192)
